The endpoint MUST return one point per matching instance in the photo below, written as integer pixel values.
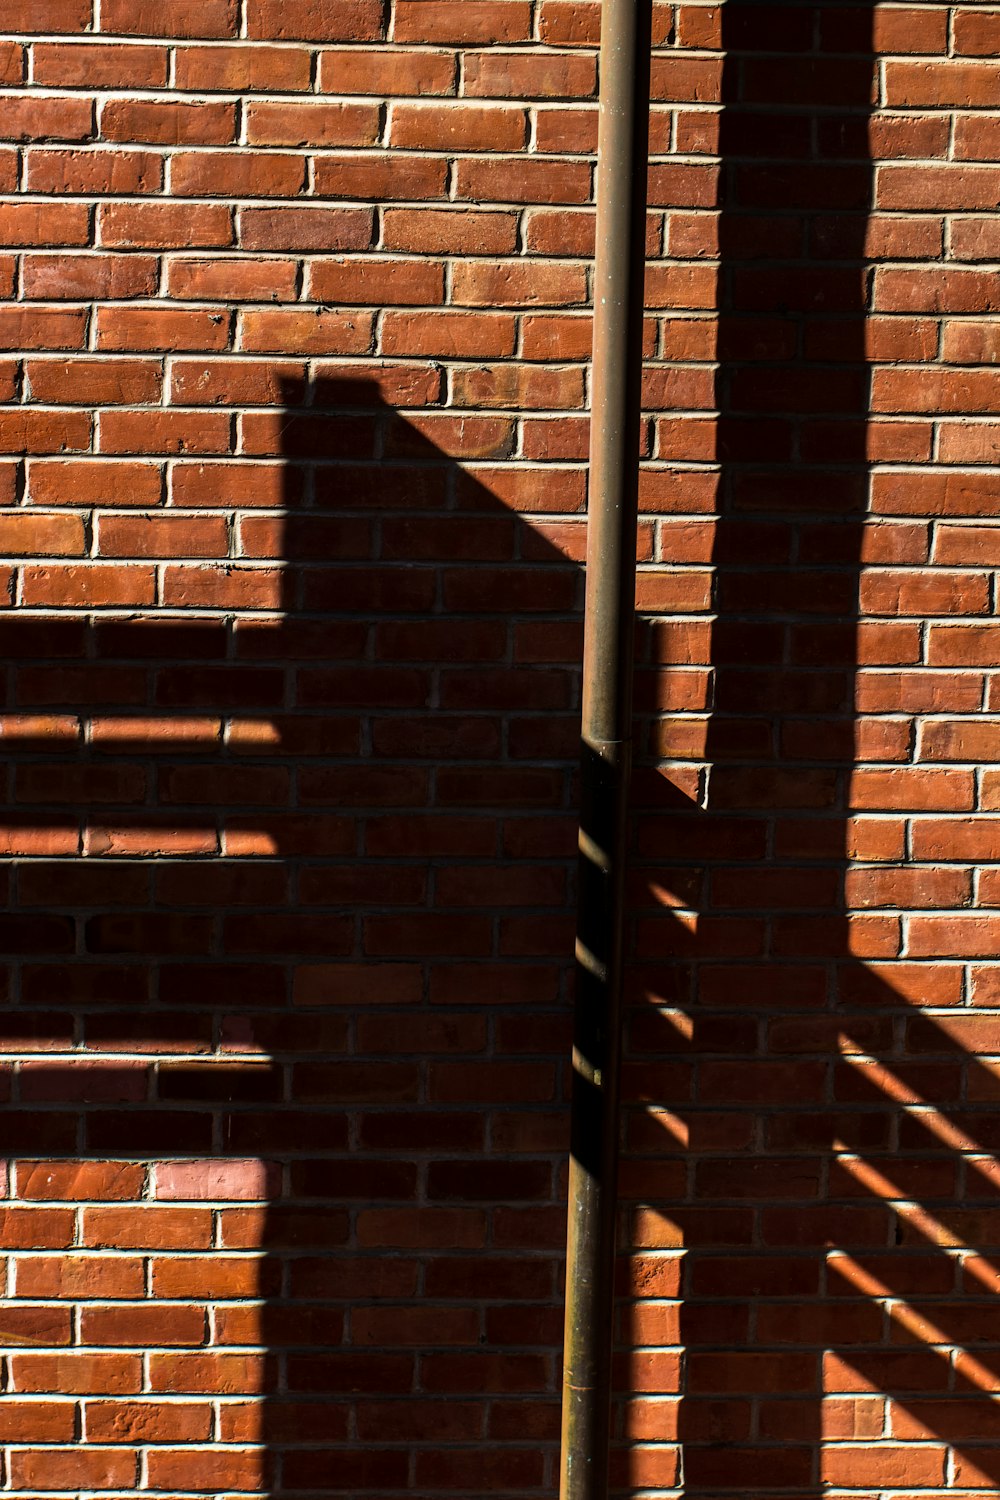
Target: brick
(457, 127)
(568, 23)
(958, 84)
(38, 1421)
(98, 172)
(164, 432)
(102, 1374)
(62, 15)
(909, 29)
(523, 181)
(967, 935)
(972, 239)
(42, 328)
(305, 229)
(315, 20)
(975, 138)
(93, 481)
(112, 1467)
(82, 277)
(518, 386)
(375, 281)
(686, 80)
(88, 64)
(45, 224)
(222, 587)
(509, 75)
(312, 125)
(39, 432)
(354, 70)
(966, 544)
(99, 382)
(566, 131)
(682, 186)
(941, 188)
(152, 1228)
(35, 1228)
(168, 123)
(148, 1421)
(471, 1373)
(901, 593)
(242, 67)
(207, 278)
(76, 1181)
(969, 341)
(81, 586)
(944, 492)
(462, 21)
(911, 788)
(159, 327)
(231, 1468)
(557, 335)
(519, 284)
(28, 1324)
(232, 382)
(910, 1466)
(975, 34)
(463, 436)
(174, 18)
(447, 334)
(8, 171)
(966, 838)
(197, 174)
(73, 1276)
(908, 888)
(38, 536)
(144, 1325)
(224, 1373)
(25, 117)
(448, 231)
(962, 645)
(227, 484)
(8, 381)
(381, 177)
(12, 63)
(305, 331)
(161, 536)
(208, 1180)
(563, 234)
(164, 225)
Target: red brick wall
(296, 337)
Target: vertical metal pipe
(606, 749)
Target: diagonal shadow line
(759, 836)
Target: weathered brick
(316, 20)
(209, 18)
(316, 125)
(457, 127)
(305, 229)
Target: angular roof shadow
(278, 939)
(332, 787)
(386, 566)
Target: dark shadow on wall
(819, 1215)
(304, 900)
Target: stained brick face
(294, 352)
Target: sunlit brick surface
(295, 338)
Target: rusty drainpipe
(623, 144)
